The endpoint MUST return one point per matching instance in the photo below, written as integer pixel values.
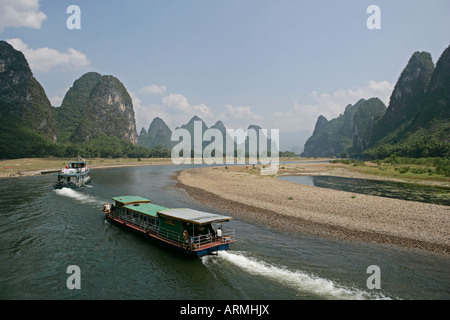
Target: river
(43, 231)
(381, 188)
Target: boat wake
(303, 282)
(79, 196)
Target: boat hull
(82, 183)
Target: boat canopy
(126, 200)
(148, 209)
(193, 216)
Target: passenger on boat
(107, 208)
(185, 236)
(219, 232)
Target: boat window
(169, 221)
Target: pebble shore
(292, 207)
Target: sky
(275, 63)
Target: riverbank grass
(13, 167)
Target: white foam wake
(299, 280)
(79, 196)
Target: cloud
(56, 101)
(146, 113)
(304, 116)
(45, 59)
(176, 110)
(179, 103)
(153, 89)
(239, 116)
(21, 13)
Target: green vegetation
(22, 142)
(113, 147)
(404, 166)
(19, 141)
(287, 154)
(74, 106)
(420, 148)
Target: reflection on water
(390, 189)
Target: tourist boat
(75, 175)
(193, 232)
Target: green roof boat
(193, 232)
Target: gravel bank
(292, 207)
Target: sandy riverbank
(298, 208)
(37, 166)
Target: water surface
(390, 189)
(43, 231)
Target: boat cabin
(77, 167)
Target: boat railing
(74, 170)
(228, 235)
(196, 242)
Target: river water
(43, 231)
(389, 189)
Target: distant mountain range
(416, 123)
(96, 118)
(159, 134)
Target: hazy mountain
(330, 138)
(294, 141)
(158, 134)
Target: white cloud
(146, 113)
(176, 110)
(153, 89)
(179, 103)
(44, 59)
(304, 116)
(56, 101)
(21, 13)
(239, 117)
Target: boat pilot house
(76, 175)
(195, 232)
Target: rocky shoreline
(290, 207)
